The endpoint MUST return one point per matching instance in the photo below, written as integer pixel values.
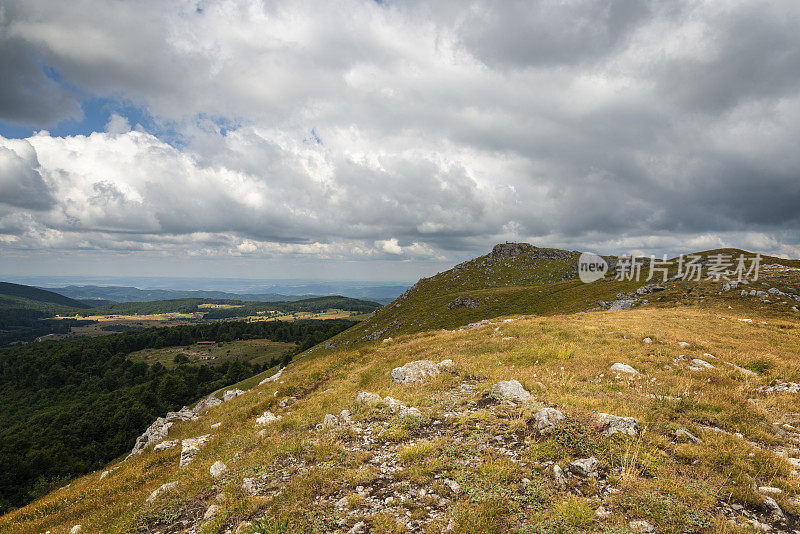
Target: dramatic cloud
(402, 131)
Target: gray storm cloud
(404, 130)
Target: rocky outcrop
(190, 447)
(547, 419)
(612, 424)
(509, 249)
(155, 433)
(418, 371)
(459, 302)
(584, 468)
(164, 488)
(267, 418)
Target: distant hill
(134, 294)
(25, 313)
(36, 294)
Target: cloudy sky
(388, 140)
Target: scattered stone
(358, 528)
(769, 490)
(454, 486)
(547, 419)
(511, 390)
(190, 447)
(231, 394)
(612, 424)
(272, 378)
(345, 417)
(683, 344)
(558, 475)
(641, 526)
(104, 474)
(699, 365)
(585, 467)
(781, 387)
(267, 418)
(211, 511)
(329, 421)
(365, 397)
(622, 304)
(218, 469)
(647, 340)
(250, 485)
(160, 490)
(216, 426)
(624, 368)
(165, 445)
(742, 370)
(76, 529)
(774, 508)
(415, 372)
(156, 432)
(459, 302)
(205, 404)
(684, 434)
(647, 290)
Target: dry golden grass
(564, 360)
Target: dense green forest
(313, 305)
(71, 406)
(316, 304)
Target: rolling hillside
(537, 404)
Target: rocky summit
(503, 395)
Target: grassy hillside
(34, 294)
(715, 449)
(25, 313)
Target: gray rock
(358, 528)
(612, 424)
(585, 467)
(329, 421)
(345, 417)
(454, 486)
(76, 529)
(774, 508)
(211, 511)
(166, 445)
(250, 485)
(646, 290)
(700, 365)
(624, 368)
(547, 419)
(459, 302)
(641, 526)
(415, 372)
(218, 469)
(365, 397)
(511, 390)
(190, 447)
(267, 418)
(622, 304)
(205, 404)
(558, 475)
(161, 490)
(231, 394)
(155, 432)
